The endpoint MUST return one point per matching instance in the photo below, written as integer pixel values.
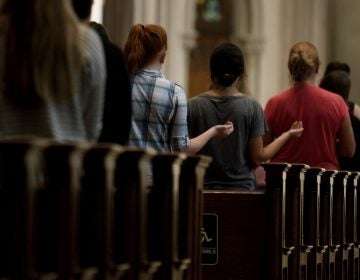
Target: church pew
(351, 222)
(294, 257)
(190, 213)
(326, 223)
(130, 221)
(85, 215)
(57, 211)
(233, 235)
(356, 228)
(339, 224)
(311, 223)
(174, 215)
(96, 214)
(294, 221)
(278, 250)
(304, 218)
(163, 216)
(20, 181)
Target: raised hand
(296, 129)
(224, 130)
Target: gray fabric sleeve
(259, 126)
(94, 81)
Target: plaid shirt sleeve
(179, 134)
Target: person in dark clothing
(117, 107)
(82, 9)
(338, 81)
(343, 66)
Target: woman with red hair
(159, 106)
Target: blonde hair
(144, 42)
(303, 61)
(43, 49)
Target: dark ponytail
(226, 64)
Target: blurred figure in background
(52, 72)
(236, 157)
(159, 119)
(328, 132)
(343, 66)
(338, 81)
(117, 107)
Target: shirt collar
(150, 72)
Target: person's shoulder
(283, 94)
(331, 96)
(164, 83)
(253, 103)
(114, 52)
(86, 32)
(250, 98)
(91, 40)
(114, 47)
(201, 96)
(177, 87)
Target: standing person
(338, 81)
(159, 105)
(343, 66)
(235, 157)
(52, 72)
(117, 107)
(325, 115)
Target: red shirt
(322, 114)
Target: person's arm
(197, 143)
(268, 137)
(258, 153)
(346, 140)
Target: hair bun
(225, 80)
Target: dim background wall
(344, 39)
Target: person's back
(324, 115)
(343, 66)
(156, 101)
(116, 119)
(321, 113)
(353, 163)
(338, 82)
(117, 107)
(52, 90)
(159, 106)
(229, 166)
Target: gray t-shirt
(230, 167)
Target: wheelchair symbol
(204, 236)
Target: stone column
(248, 33)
